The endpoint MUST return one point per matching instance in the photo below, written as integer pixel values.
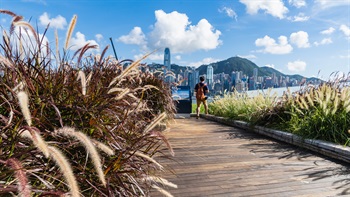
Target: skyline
(293, 36)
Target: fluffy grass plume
(23, 102)
(81, 76)
(89, 146)
(155, 122)
(24, 189)
(66, 169)
(162, 181)
(70, 31)
(148, 158)
(106, 149)
(162, 191)
(27, 25)
(38, 141)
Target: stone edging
(326, 148)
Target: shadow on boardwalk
(216, 160)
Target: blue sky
(292, 36)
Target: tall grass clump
(239, 106)
(314, 112)
(320, 112)
(79, 124)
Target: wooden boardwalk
(217, 160)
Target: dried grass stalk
(66, 170)
(23, 102)
(162, 191)
(148, 158)
(70, 31)
(81, 76)
(156, 121)
(24, 189)
(89, 146)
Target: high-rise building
(255, 74)
(167, 64)
(210, 75)
(233, 79)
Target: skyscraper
(210, 75)
(167, 64)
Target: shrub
(81, 124)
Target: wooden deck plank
(216, 160)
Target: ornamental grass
(76, 124)
(315, 112)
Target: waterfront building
(255, 74)
(167, 64)
(210, 75)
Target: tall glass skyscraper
(167, 64)
(210, 75)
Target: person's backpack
(200, 92)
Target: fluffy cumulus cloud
(58, 22)
(299, 18)
(345, 29)
(178, 57)
(205, 61)
(300, 39)
(296, 66)
(135, 36)
(275, 8)
(173, 30)
(324, 42)
(99, 37)
(229, 12)
(79, 41)
(27, 42)
(273, 47)
(328, 31)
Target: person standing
(201, 90)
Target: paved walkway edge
(325, 148)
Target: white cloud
(79, 41)
(324, 42)
(229, 12)
(324, 4)
(178, 57)
(173, 30)
(58, 22)
(275, 8)
(300, 38)
(205, 61)
(270, 65)
(27, 42)
(296, 66)
(247, 56)
(153, 56)
(297, 3)
(299, 18)
(99, 37)
(135, 36)
(328, 31)
(345, 29)
(272, 47)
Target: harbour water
(251, 93)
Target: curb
(325, 148)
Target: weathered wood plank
(217, 160)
